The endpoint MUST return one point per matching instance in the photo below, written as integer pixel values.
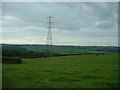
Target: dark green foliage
(11, 60)
(19, 51)
(12, 50)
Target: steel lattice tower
(49, 36)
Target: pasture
(78, 71)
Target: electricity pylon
(49, 36)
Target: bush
(11, 60)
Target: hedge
(11, 60)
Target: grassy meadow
(78, 71)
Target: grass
(80, 71)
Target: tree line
(17, 51)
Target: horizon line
(58, 44)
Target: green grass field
(80, 71)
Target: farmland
(78, 71)
(41, 51)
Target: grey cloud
(105, 25)
(68, 16)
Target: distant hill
(62, 49)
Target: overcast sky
(93, 23)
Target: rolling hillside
(61, 49)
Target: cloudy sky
(75, 23)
